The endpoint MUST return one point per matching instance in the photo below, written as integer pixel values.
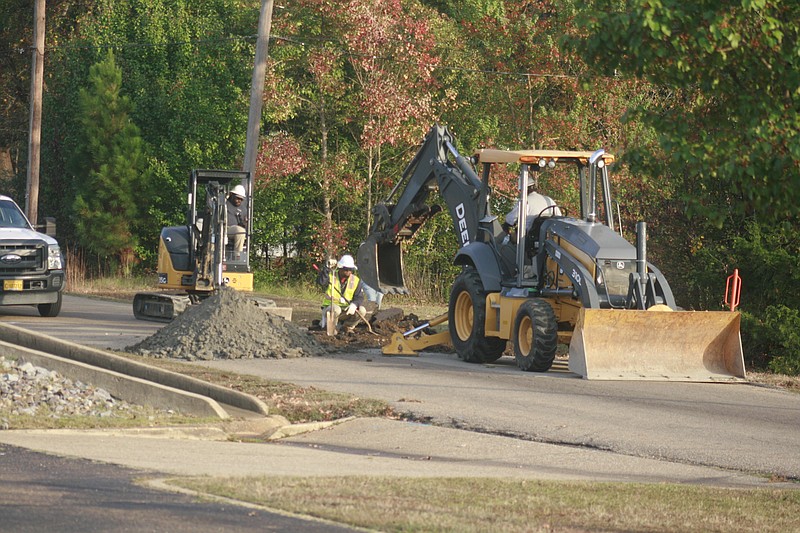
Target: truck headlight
(54, 258)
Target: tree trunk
(373, 169)
(370, 171)
(326, 181)
(127, 259)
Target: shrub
(783, 325)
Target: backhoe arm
(405, 210)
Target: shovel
(330, 323)
(330, 317)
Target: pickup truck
(32, 267)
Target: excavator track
(159, 307)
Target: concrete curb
(299, 429)
(127, 368)
(127, 388)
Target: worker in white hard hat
(344, 290)
(237, 218)
(539, 205)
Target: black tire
(535, 336)
(50, 310)
(466, 316)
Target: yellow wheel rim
(525, 335)
(463, 316)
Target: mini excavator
(197, 258)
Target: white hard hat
(238, 191)
(347, 262)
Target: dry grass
(465, 505)
(297, 404)
(112, 288)
(135, 417)
(781, 381)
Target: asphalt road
(740, 427)
(41, 492)
(88, 321)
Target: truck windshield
(11, 216)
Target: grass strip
(480, 504)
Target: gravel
(228, 325)
(26, 389)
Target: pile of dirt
(228, 325)
(383, 324)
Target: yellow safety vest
(334, 290)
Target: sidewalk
(363, 447)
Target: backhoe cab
(572, 280)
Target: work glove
(351, 309)
(332, 263)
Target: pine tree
(109, 167)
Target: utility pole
(257, 88)
(35, 127)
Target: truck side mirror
(50, 226)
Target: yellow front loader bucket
(659, 346)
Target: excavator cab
(208, 195)
(195, 259)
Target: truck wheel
(466, 316)
(50, 310)
(535, 336)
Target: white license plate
(12, 284)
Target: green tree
(16, 36)
(732, 70)
(108, 168)
(726, 120)
(15, 60)
(187, 68)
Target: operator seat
(532, 237)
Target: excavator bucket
(658, 346)
(380, 265)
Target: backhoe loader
(570, 279)
(195, 259)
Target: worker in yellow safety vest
(344, 290)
